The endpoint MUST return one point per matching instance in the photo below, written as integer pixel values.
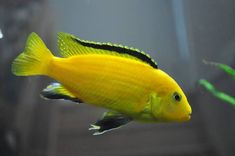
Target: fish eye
(176, 97)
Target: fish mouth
(189, 116)
(186, 118)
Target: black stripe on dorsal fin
(70, 45)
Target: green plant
(210, 87)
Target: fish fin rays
(35, 58)
(70, 45)
(111, 120)
(57, 91)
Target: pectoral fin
(110, 120)
(57, 91)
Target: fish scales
(97, 80)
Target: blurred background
(178, 34)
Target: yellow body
(105, 81)
(128, 86)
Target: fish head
(169, 102)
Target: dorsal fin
(70, 45)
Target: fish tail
(35, 58)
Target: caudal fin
(35, 58)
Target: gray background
(178, 34)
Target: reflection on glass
(1, 34)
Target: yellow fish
(124, 80)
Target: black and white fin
(57, 91)
(111, 120)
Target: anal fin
(110, 120)
(57, 91)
